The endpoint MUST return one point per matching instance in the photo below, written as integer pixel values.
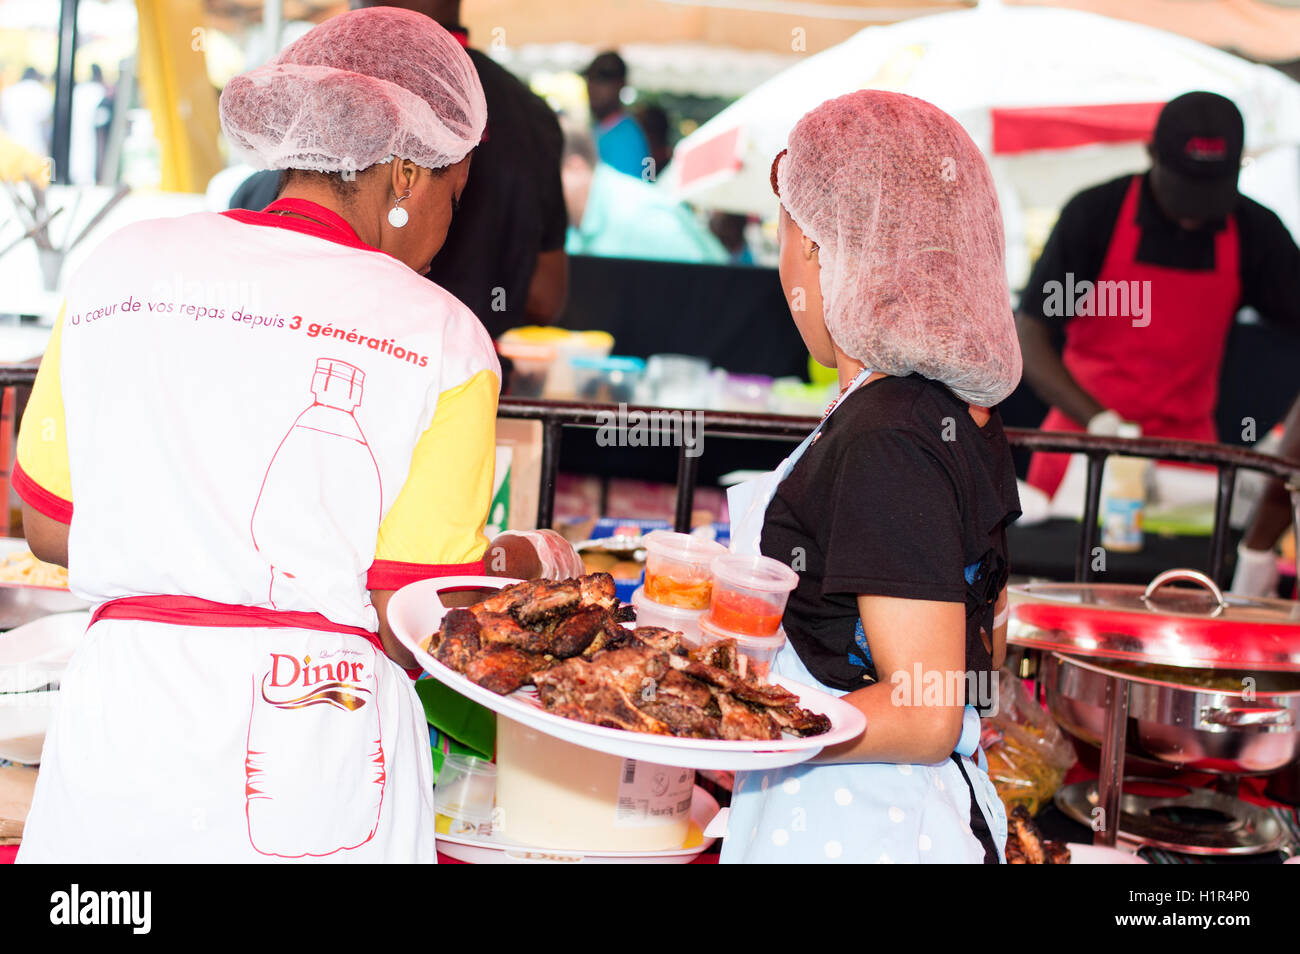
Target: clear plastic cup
(464, 796)
(677, 568)
(676, 618)
(760, 651)
(749, 593)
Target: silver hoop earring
(397, 216)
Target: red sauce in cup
(744, 614)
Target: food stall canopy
(1057, 99)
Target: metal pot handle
(1247, 717)
(1193, 576)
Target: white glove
(558, 558)
(1256, 573)
(1106, 424)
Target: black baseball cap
(1197, 150)
(607, 66)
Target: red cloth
(1163, 371)
(7, 854)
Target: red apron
(1163, 372)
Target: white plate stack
(32, 660)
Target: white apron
(867, 812)
(236, 501)
(174, 744)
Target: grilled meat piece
(597, 589)
(740, 721)
(746, 689)
(625, 613)
(502, 668)
(685, 721)
(503, 629)
(576, 633)
(664, 640)
(672, 686)
(1024, 837)
(505, 600)
(801, 722)
(457, 640)
(722, 655)
(579, 690)
(633, 665)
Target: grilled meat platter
(567, 638)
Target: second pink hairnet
(360, 87)
(902, 206)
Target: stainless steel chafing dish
(1186, 677)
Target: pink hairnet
(359, 88)
(902, 206)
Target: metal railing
(555, 416)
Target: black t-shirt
(512, 207)
(899, 496)
(1269, 258)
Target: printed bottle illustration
(321, 495)
(315, 769)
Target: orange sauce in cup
(744, 614)
(672, 591)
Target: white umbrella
(1057, 99)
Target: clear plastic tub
(759, 650)
(675, 618)
(749, 593)
(611, 380)
(677, 568)
(533, 364)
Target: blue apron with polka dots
(866, 812)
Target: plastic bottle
(1123, 499)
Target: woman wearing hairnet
(266, 423)
(894, 510)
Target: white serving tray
(416, 611)
(499, 850)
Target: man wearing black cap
(619, 140)
(1144, 275)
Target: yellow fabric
(443, 506)
(43, 434)
(181, 99)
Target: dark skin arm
(1047, 374)
(1273, 513)
(47, 537)
(510, 557)
(549, 287)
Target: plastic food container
(759, 650)
(749, 593)
(554, 794)
(464, 796)
(677, 568)
(575, 345)
(612, 380)
(533, 363)
(675, 618)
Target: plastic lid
(683, 546)
(712, 630)
(682, 613)
(525, 350)
(611, 363)
(754, 573)
(536, 334)
(1199, 628)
